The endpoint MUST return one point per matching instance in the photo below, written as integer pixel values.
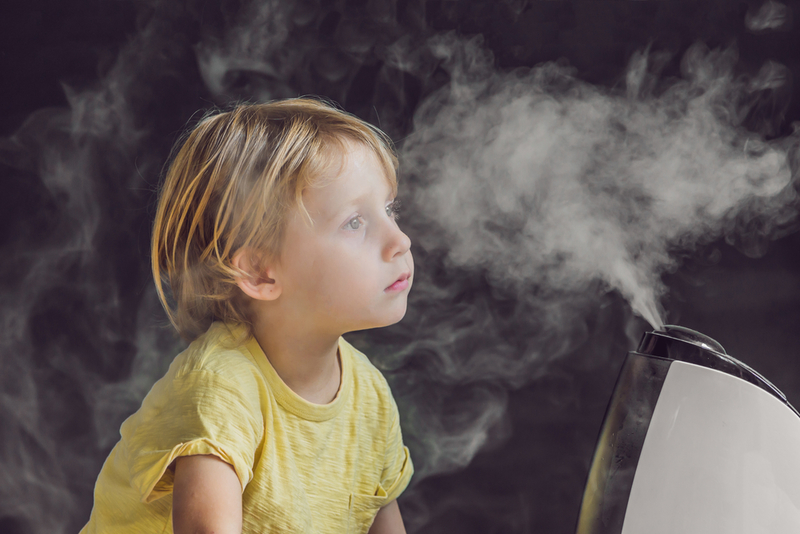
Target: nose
(397, 243)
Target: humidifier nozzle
(691, 336)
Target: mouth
(400, 284)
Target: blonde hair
(230, 186)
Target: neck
(306, 361)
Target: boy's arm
(206, 496)
(388, 520)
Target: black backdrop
(95, 93)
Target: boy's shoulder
(221, 351)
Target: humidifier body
(693, 442)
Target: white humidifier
(693, 442)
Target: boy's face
(353, 268)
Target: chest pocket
(363, 509)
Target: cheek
(302, 271)
(336, 271)
(346, 272)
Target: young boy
(276, 232)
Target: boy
(276, 231)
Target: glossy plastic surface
(720, 457)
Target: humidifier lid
(684, 344)
(692, 336)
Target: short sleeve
(200, 412)
(398, 468)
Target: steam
(70, 321)
(770, 16)
(250, 48)
(544, 181)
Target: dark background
(95, 93)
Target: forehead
(355, 173)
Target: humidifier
(693, 442)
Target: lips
(401, 283)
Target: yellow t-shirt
(304, 468)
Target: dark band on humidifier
(700, 349)
(620, 443)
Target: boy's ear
(258, 286)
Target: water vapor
(547, 182)
(71, 318)
(249, 52)
(770, 16)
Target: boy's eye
(393, 209)
(354, 223)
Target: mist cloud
(71, 319)
(251, 46)
(545, 181)
(770, 16)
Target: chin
(389, 319)
(399, 316)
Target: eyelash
(392, 210)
